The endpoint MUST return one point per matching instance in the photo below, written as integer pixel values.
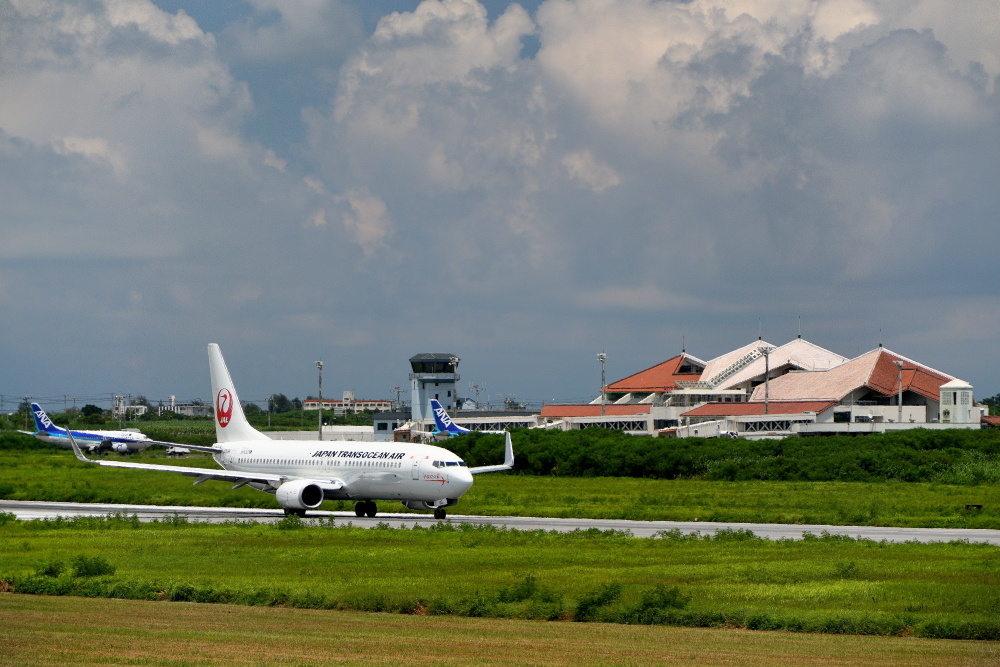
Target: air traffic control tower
(435, 375)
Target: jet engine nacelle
(119, 447)
(299, 495)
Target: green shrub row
(917, 455)
(658, 605)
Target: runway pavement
(45, 510)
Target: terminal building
(763, 390)
(759, 390)
(348, 404)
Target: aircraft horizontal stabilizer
(210, 450)
(208, 473)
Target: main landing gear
(366, 507)
(440, 513)
(299, 513)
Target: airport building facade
(762, 390)
(759, 390)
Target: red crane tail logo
(224, 407)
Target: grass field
(53, 474)
(46, 631)
(831, 585)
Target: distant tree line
(957, 456)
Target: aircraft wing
(203, 474)
(508, 460)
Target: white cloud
(789, 138)
(368, 220)
(94, 148)
(705, 159)
(297, 31)
(584, 167)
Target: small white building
(956, 402)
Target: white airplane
(122, 442)
(446, 425)
(303, 473)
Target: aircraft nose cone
(462, 478)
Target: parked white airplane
(122, 442)
(302, 473)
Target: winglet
(508, 460)
(76, 448)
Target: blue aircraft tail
(42, 421)
(443, 421)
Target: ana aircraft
(446, 426)
(302, 473)
(122, 442)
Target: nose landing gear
(366, 507)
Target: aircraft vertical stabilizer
(42, 422)
(230, 423)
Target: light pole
(601, 357)
(767, 380)
(899, 396)
(319, 365)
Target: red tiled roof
(594, 410)
(918, 379)
(661, 377)
(992, 420)
(774, 408)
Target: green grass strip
(825, 584)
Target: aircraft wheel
(360, 508)
(440, 513)
(299, 513)
(372, 508)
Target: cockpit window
(448, 464)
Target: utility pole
(601, 357)
(270, 406)
(476, 389)
(319, 365)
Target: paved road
(41, 510)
